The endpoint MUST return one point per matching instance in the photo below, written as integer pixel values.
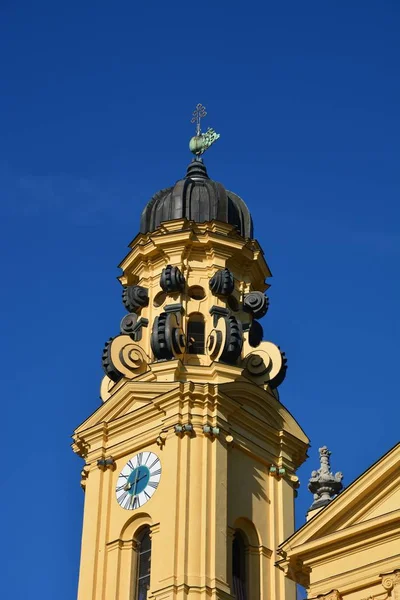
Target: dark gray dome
(197, 198)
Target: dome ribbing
(197, 198)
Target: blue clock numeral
(154, 463)
(122, 497)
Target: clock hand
(129, 484)
(142, 477)
(135, 482)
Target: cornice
(212, 238)
(346, 540)
(366, 576)
(155, 409)
(125, 395)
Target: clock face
(138, 480)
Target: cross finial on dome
(201, 141)
(198, 114)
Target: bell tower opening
(196, 334)
(143, 565)
(239, 570)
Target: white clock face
(138, 480)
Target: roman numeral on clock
(157, 460)
(122, 497)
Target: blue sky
(95, 107)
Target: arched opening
(143, 564)
(239, 567)
(195, 334)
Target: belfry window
(144, 563)
(239, 567)
(195, 334)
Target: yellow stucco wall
(210, 485)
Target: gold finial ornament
(201, 141)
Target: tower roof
(198, 198)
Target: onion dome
(197, 198)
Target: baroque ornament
(106, 362)
(123, 358)
(128, 323)
(256, 303)
(167, 338)
(222, 283)
(280, 377)
(267, 364)
(226, 340)
(172, 280)
(323, 483)
(135, 297)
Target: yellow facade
(350, 550)
(239, 478)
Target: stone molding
(391, 583)
(332, 595)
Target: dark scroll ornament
(172, 280)
(128, 324)
(167, 338)
(134, 297)
(222, 283)
(255, 334)
(256, 303)
(109, 369)
(234, 340)
(279, 378)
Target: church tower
(190, 460)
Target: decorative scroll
(108, 367)
(128, 324)
(256, 303)
(167, 338)
(226, 340)
(135, 297)
(172, 280)
(123, 358)
(267, 364)
(222, 283)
